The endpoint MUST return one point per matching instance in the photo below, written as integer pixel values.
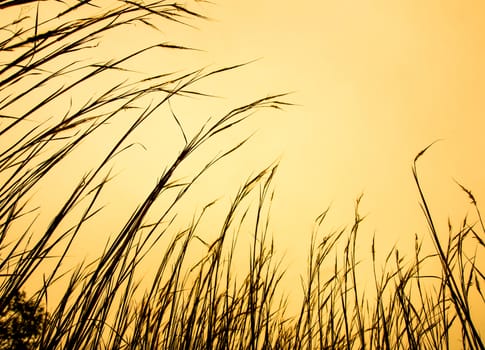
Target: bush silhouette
(21, 323)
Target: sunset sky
(372, 83)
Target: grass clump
(109, 302)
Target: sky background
(372, 82)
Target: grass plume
(108, 302)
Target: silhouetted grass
(187, 304)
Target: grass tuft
(110, 302)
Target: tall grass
(204, 304)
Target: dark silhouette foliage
(21, 323)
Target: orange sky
(374, 82)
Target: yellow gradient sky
(376, 81)
(373, 83)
